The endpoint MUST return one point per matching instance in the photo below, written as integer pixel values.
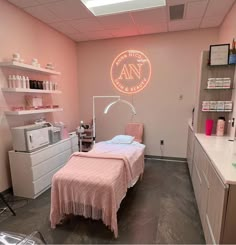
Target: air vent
(176, 12)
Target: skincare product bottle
(220, 128)
(23, 82)
(14, 81)
(27, 82)
(10, 81)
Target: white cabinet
(216, 210)
(32, 172)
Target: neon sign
(130, 71)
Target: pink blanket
(93, 185)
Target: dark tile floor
(159, 209)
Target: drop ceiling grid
(73, 19)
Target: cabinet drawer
(217, 196)
(196, 179)
(208, 232)
(204, 163)
(49, 152)
(44, 182)
(204, 200)
(50, 164)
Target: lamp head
(119, 100)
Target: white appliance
(30, 137)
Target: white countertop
(222, 154)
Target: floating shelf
(28, 112)
(22, 66)
(218, 88)
(25, 90)
(217, 111)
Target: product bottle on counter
(220, 128)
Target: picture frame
(219, 54)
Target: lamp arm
(129, 104)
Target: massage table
(93, 184)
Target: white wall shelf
(22, 66)
(28, 112)
(218, 88)
(25, 90)
(217, 111)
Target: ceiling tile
(86, 25)
(69, 10)
(78, 37)
(218, 8)
(115, 21)
(124, 32)
(47, 1)
(211, 22)
(149, 29)
(42, 13)
(195, 9)
(99, 35)
(63, 27)
(150, 17)
(181, 25)
(24, 3)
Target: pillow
(122, 139)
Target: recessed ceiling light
(106, 7)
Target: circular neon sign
(130, 71)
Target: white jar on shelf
(228, 105)
(219, 82)
(213, 105)
(220, 105)
(205, 105)
(211, 83)
(226, 82)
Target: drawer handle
(30, 138)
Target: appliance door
(37, 138)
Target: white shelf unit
(22, 66)
(25, 90)
(32, 172)
(28, 112)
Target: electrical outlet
(161, 142)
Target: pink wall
(227, 30)
(175, 59)
(19, 32)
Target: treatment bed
(93, 184)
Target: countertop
(222, 154)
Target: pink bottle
(208, 126)
(220, 128)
